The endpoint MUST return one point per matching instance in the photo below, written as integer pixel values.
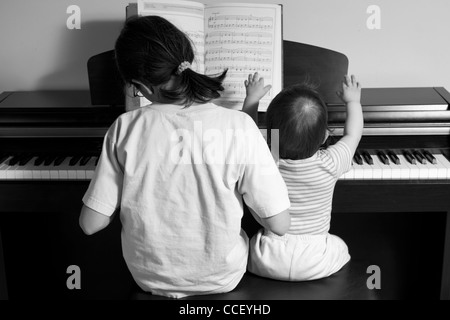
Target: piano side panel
(42, 237)
(445, 281)
(3, 283)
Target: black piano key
(39, 160)
(15, 159)
(429, 156)
(391, 154)
(409, 157)
(419, 156)
(49, 160)
(367, 157)
(25, 159)
(383, 158)
(74, 160)
(84, 160)
(59, 160)
(357, 158)
(3, 157)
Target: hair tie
(183, 66)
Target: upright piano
(50, 142)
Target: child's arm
(92, 221)
(255, 90)
(278, 224)
(354, 124)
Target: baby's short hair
(300, 115)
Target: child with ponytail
(179, 170)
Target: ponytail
(152, 50)
(195, 87)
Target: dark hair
(301, 116)
(150, 49)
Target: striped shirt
(311, 184)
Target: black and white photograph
(225, 158)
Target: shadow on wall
(74, 49)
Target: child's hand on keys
(255, 88)
(351, 90)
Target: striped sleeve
(342, 157)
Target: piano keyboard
(398, 165)
(367, 165)
(29, 167)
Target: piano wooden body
(50, 141)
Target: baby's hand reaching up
(351, 90)
(254, 88)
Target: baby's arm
(354, 124)
(255, 90)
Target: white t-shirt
(178, 176)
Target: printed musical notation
(236, 70)
(248, 38)
(241, 54)
(239, 21)
(243, 44)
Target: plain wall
(38, 51)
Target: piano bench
(347, 284)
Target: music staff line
(243, 40)
(239, 21)
(232, 34)
(236, 68)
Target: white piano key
(28, 169)
(81, 174)
(90, 168)
(413, 169)
(45, 172)
(432, 170)
(377, 168)
(72, 173)
(398, 171)
(36, 172)
(63, 169)
(444, 173)
(54, 174)
(367, 171)
(11, 172)
(423, 171)
(346, 175)
(385, 170)
(358, 171)
(3, 167)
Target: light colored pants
(296, 257)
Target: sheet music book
(242, 37)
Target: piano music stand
(321, 66)
(105, 82)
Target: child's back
(181, 216)
(178, 171)
(307, 251)
(311, 184)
